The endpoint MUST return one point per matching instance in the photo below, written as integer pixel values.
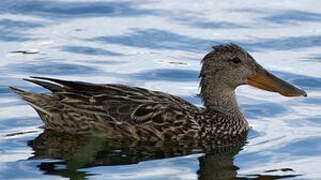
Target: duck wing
(118, 102)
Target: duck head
(230, 66)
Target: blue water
(158, 45)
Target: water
(158, 45)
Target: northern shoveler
(119, 111)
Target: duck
(117, 111)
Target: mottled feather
(112, 110)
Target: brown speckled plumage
(118, 111)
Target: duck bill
(267, 81)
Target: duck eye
(236, 60)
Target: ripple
(18, 25)
(65, 9)
(161, 39)
(197, 22)
(311, 83)
(299, 147)
(53, 68)
(291, 16)
(314, 58)
(303, 81)
(177, 32)
(167, 75)
(286, 43)
(263, 110)
(89, 50)
(13, 30)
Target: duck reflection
(76, 152)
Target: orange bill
(267, 81)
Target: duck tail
(34, 99)
(21, 93)
(50, 86)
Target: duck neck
(220, 97)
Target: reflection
(50, 168)
(24, 52)
(75, 152)
(83, 152)
(283, 169)
(210, 169)
(269, 177)
(218, 165)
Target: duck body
(123, 112)
(118, 111)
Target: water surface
(158, 45)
